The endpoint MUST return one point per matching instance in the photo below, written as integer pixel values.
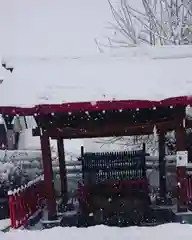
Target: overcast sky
(52, 27)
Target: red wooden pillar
(48, 176)
(162, 168)
(62, 169)
(181, 169)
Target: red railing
(25, 201)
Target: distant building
(12, 133)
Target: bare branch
(161, 22)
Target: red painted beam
(107, 130)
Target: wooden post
(181, 170)
(48, 176)
(162, 168)
(62, 169)
(82, 161)
(82, 151)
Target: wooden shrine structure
(104, 119)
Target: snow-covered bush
(154, 22)
(18, 168)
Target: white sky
(52, 27)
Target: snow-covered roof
(135, 74)
(4, 75)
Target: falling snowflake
(93, 103)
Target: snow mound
(4, 223)
(167, 231)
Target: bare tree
(160, 22)
(136, 142)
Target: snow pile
(18, 167)
(6, 170)
(4, 223)
(168, 231)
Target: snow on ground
(4, 223)
(167, 231)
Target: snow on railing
(25, 201)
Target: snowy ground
(168, 231)
(4, 223)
